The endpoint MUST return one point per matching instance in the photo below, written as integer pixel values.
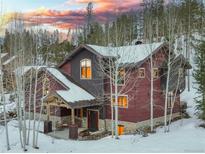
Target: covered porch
(64, 115)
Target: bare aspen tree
(118, 69)
(2, 89)
(34, 107)
(150, 33)
(172, 22)
(174, 98)
(116, 84)
(44, 94)
(111, 101)
(35, 89)
(29, 106)
(4, 104)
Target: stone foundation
(130, 127)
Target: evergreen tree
(6, 44)
(191, 12)
(96, 34)
(199, 75)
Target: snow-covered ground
(185, 136)
(10, 106)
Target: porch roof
(68, 100)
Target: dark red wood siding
(66, 68)
(54, 85)
(138, 91)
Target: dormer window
(85, 69)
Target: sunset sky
(64, 14)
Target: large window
(121, 77)
(122, 101)
(86, 70)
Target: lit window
(155, 73)
(170, 99)
(85, 67)
(121, 76)
(46, 86)
(122, 101)
(141, 73)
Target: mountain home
(85, 65)
(79, 90)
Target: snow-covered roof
(9, 60)
(24, 69)
(74, 92)
(127, 54)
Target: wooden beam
(73, 116)
(81, 112)
(59, 105)
(48, 111)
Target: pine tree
(6, 43)
(199, 76)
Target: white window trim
(127, 101)
(144, 73)
(90, 68)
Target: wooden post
(81, 113)
(48, 111)
(73, 116)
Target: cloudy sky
(64, 14)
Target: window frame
(157, 69)
(122, 84)
(85, 59)
(113, 96)
(141, 68)
(170, 98)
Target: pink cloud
(103, 10)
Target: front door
(93, 120)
